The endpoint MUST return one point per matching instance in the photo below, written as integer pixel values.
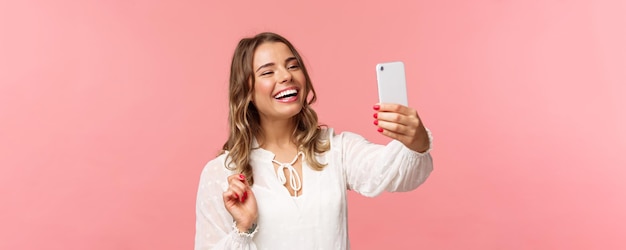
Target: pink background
(109, 110)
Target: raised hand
(403, 124)
(240, 202)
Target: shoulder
(214, 176)
(216, 168)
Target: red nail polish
(376, 107)
(245, 195)
(376, 115)
(242, 177)
(380, 130)
(375, 122)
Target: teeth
(286, 92)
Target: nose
(285, 76)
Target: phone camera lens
(382, 68)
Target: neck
(277, 134)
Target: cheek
(263, 88)
(300, 77)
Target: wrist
(245, 227)
(423, 144)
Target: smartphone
(391, 83)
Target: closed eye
(292, 63)
(266, 73)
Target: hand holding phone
(401, 123)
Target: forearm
(372, 169)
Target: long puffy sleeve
(214, 225)
(371, 169)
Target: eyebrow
(272, 64)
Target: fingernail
(245, 195)
(376, 107)
(380, 130)
(242, 177)
(376, 115)
(375, 122)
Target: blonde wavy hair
(244, 120)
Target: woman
(281, 181)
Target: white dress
(318, 218)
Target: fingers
(393, 135)
(395, 128)
(401, 119)
(230, 196)
(396, 118)
(237, 188)
(394, 108)
(403, 124)
(396, 113)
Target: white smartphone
(391, 83)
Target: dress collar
(256, 150)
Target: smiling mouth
(286, 94)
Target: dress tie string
(294, 177)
